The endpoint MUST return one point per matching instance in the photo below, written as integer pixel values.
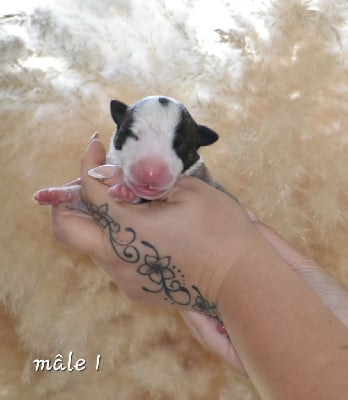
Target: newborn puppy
(156, 142)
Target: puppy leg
(121, 192)
(69, 196)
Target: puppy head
(156, 140)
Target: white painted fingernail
(93, 174)
(104, 172)
(94, 136)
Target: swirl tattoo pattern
(162, 275)
(124, 248)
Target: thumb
(97, 177)
(93, 156)
(93, 191)
(74, 228)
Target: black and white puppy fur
(156, 142)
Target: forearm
(291, 345)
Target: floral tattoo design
(162, 276)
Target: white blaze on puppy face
(149, 147)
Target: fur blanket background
(272, 82)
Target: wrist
(252, 269)
(216, 280)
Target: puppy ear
(118, 111)
(206, 136)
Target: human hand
(206, 331)
(147, 248)
(330, 291)
(81, 231)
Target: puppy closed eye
(122, 136)
(180, 145)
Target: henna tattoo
(124, 248)
(163, 276)
(203, 305)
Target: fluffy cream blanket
(271, 80)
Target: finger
(93, 191)
(204, 329)
(195, 321)
(77, 230)
(192, 183)
(93, 156)
(188, 184)
(199, 323)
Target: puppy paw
(56, 196)
(121, 192)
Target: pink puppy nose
(151, 172)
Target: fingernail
(94, 136)
(104, 172)
(220, 327)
